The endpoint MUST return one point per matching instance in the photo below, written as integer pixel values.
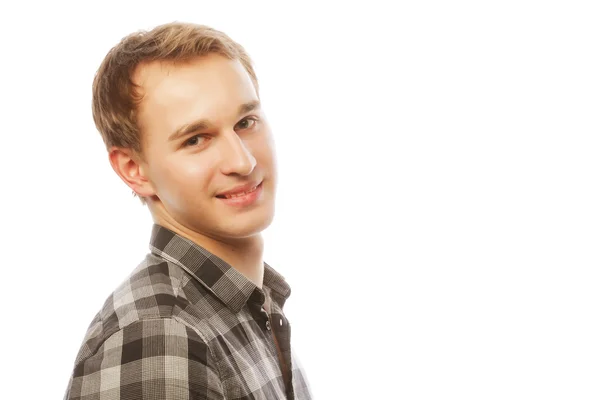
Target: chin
(246, 227)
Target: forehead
(201, 87)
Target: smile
(233, 196)
(246, 199)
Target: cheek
(185, 180)
(264, 150)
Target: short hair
(116, 97)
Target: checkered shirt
(187, 325)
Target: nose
(236, 158)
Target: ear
(131, 169)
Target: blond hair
(116, 97)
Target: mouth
(245, 200)
(240, 195)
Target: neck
(243, 254)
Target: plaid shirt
(187, 325)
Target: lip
(246, 200)
(240, 189)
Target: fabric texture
(187, 325)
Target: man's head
(178, 108)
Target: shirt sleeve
(149, 359)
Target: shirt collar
(219, 277)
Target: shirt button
(268, 325)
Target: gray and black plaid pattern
(187, 325)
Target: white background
(437, 212)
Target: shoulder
(162, 356)
(151, 292)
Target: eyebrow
(202, 124)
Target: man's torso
(182, 290)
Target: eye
(193, 141)
(248, 122)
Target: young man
(201, 317)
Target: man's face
(232, 146)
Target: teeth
(232, 196)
